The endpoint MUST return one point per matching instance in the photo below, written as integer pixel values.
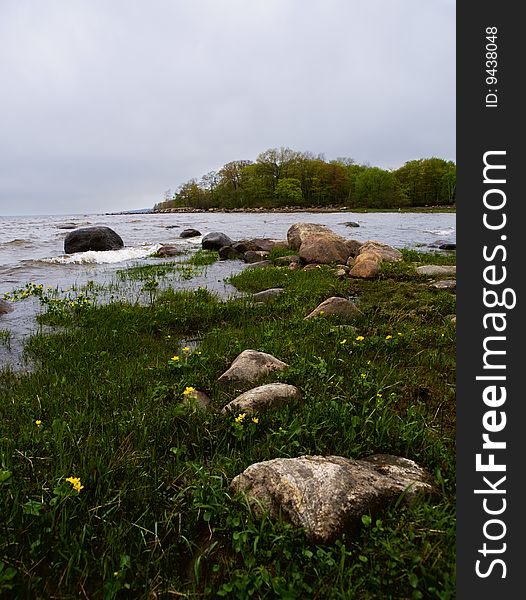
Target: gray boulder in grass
(249, 367)
(327, 495)
(264, 397)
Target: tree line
(287, 178)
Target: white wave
(105, 256)
(447, 231)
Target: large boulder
(271, 395)
(324, 249)
(215, 241)
(327, 496)
(92, 238)
(297, 233)
(249, 367)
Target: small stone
(271, 395)
(340, 307)
(188, 233)
(437, 270)
(168, 251)
(445, 284)
(260, 264)
(266, 295)
(249, 367)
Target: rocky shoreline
(300, 209)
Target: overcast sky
(106, 104)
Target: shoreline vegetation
(117, 456)
(312, 209)
(286, 178)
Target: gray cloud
(107, 104)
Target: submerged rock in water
(168, 251)
(5, 307)
(188, 233)
(215, 241)
(95, 238)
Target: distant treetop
(287, 178)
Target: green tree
(288, 192)
(377, 188)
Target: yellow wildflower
(38, 423)
(363, 375)
(186, 349)
(343, 342)
(188, 391)
(240, 417)
(360, 338)
(255, 420)
(388, 337)
(175, 358)
(75, 482)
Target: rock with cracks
(327, 496)
(264, 397)
(250, 366)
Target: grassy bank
(111, 486)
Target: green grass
(5, 338)
(156, 514)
